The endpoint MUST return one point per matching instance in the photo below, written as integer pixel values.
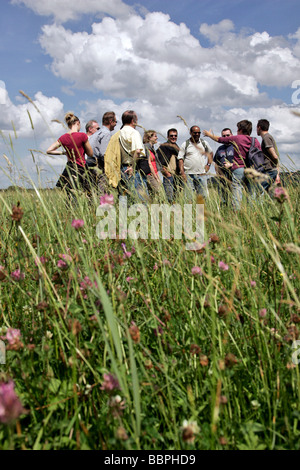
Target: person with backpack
(242, 143)
(195, 158)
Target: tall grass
(213, 349)
(134, 351)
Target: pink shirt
(241, 144)
(73, 143)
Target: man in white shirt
(132, 147)
(195, 158)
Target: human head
(71, 119)
(262, 125)
(129, 118)
(226, 132)
(172, 135)
(149, 136)
(91, 127)
(244, 127)
(109, 120)
(195, 133)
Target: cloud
(28, 116)
(74, 10)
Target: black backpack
(256, 158)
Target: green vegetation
(129, 347)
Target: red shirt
(241, 144)
(153, 161)
(73, 144)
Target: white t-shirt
(131, 140)
(194, 157)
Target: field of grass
(141, 344)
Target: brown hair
(245, 127)
(107, 117)
(70, 119)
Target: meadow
(142, 344)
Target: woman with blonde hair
(148, 168)
(75, 145)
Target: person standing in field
(131, 148)
(270, 150)
(167, 155)
(195, 158)
(99, 141)
(224, 153)
(75, 145)
(242, 143)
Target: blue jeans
(238, 178)
(198, 183)
(140, 184)
(272, 175)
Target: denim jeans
(198, 183)
(140, 184)
(168, 183)
(272, 175)
(238, 178)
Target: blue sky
(214, 63)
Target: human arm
(211, 135)
(52, 150)
(273, 154)
(209, 161)
(181, 170)
(88, 149)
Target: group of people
(126, 161)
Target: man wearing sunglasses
(195, 158)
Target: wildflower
(41, 260)
(110, 383)
(195, 349)
(17, 213)
(77, 223)
(117, 405)
(223, 266)
(17, 275)
(280, 194)
(61, 264)
(203, 360)
(196, 270)
(263, 313)
(189, 430)
(127, 254)
(106, 201)
(252, 283)
(129, 279)
(230, 360)
(214, 238)
(223, 441)
(155, 267)
(121, 434)
(74, 326)
(134, 332)
(166, 262)
(223, 311)
(65, 257)
(10, 406)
